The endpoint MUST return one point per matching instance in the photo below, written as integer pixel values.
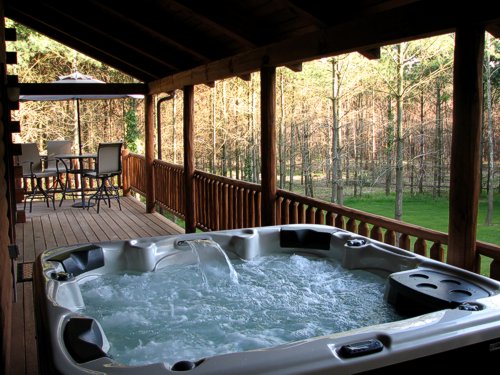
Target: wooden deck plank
(58, 232)
(154, 221)
(46, 228)
(29, 329)
(66, 228)
(48, 233)
(85, 226)
(96, 228)
(18, 360)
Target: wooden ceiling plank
(107, 35)
(215, 25)
(391, 27)
(118, 13)
(103, 55)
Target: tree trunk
(174, 141)
(336, 170)
(489, 132)
(292, 156)
(389, 146)
(224, 130)
(438, 169)
(282, 135)
(214, 130)
(398, 214)
(421, 141)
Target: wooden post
(125, 173)
(190, 217)
(149, 153)
(268, 144)
(466, 138)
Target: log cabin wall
(5, 225)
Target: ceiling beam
(494, 29)
(382, 29)
(371, 54)
(81, 45)
(82, 89)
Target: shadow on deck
(46, 228)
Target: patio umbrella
(79, 78)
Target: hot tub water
(189, 312)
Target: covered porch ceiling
(172, 43)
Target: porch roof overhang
(172, 43)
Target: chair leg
(117, 195)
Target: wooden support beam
(494, 29)
(10, 34)
(297, 68)
(150, 152)
(465, 148)
(371, 54)
(79, 89)
(245, 77)
(268, 144)
(190, 218)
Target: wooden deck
(45, 229)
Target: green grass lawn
(428, 212)
(431, 213)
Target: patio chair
(32, 165)
(60, 166)
(108, 165)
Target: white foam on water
(170, 315)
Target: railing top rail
(166, 164)
(138, 156)
(229, 181)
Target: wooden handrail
(225, 203)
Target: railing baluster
(319, 216)
(302, 213)
(437, 252)
(404, 241)
(330, 219)
(285, 210)
(363, 229)
(352, 225)
(376, 233)
(495, 269)
(310, 215)
(294, 213)
(339, 221)
(420, 247)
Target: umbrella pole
(79, 128)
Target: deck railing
(224, 203)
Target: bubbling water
(171, 314)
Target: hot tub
(440, 313)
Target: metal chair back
(56, 148)
(109, 159)
(30, 159)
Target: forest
(346, 125)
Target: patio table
(80, 171)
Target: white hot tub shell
(452, 315)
